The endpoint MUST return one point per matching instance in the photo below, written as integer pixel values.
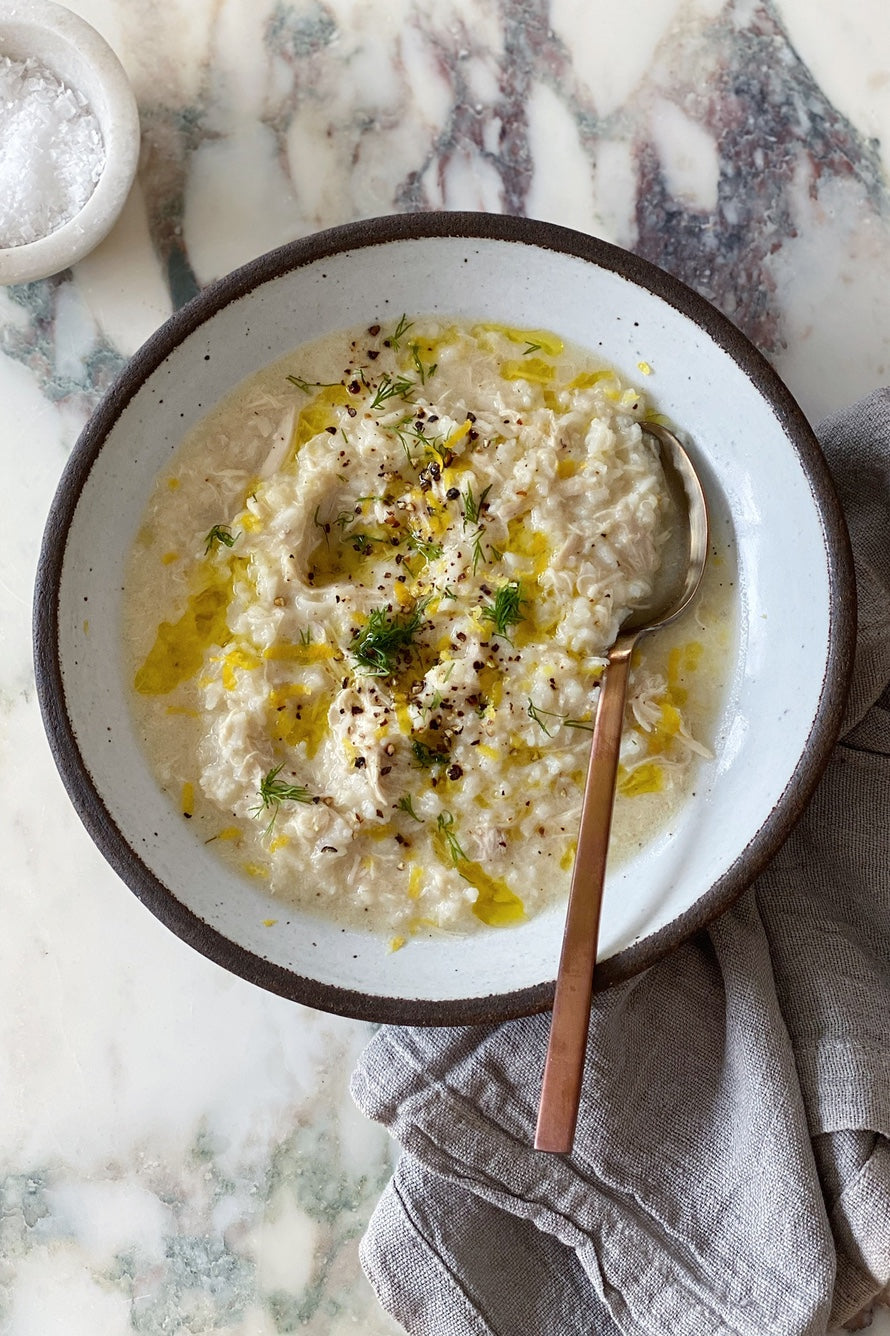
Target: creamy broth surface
(368, 610)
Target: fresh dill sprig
(306, 636)
(424, 372)
(362, 542)
(359, 541)
(408, 455)
(401, 433)
(400, 331)
(444, 825)
(403, 430)
(324, 525)
(274, 791)
(427, 756)
(472, 506)
(530, 348)
(307, 385)
(220, 533)
(389, 387)
(406, 804)
(378, 645)
(409, 433)
(425, 547)
(506, 610)
(535, 712)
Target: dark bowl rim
(87, 800)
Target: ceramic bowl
(72, 50)
(768, 485)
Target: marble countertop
(178, 1150)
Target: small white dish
(75, 53)
(767, 481)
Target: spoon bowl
(683, 564)
(679, 576)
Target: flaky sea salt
(51, 152)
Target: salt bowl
(71, 139)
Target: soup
(369, 608)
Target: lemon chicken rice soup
(369, 608)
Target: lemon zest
(415, 881)
(243, 657)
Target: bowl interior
(758, 469)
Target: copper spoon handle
(561, 1088)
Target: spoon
(676, 585)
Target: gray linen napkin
(731, 1170)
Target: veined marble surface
(178, 1151)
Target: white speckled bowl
(762, 467)
(76, 54)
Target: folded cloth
(731, 1168)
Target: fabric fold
(731, 1169)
